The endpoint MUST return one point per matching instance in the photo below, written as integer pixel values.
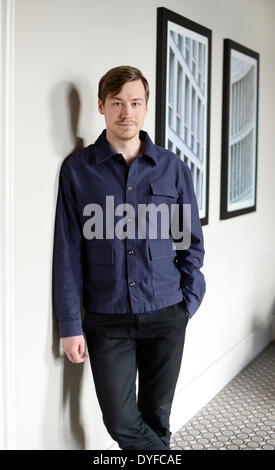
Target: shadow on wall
(65, 111)
(74, 107)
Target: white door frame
(7, 350)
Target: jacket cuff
(70, 328)
(191, 306)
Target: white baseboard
(194, 396)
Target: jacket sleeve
(67, 266)
(190, 259)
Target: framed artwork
(239, 130)
(183, 76)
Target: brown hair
(114, 79)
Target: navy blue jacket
(111, 274)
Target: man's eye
(117, 103)
(136, 104)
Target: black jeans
(119, 345)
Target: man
(137, 290)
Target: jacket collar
(103, 149)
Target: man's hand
(74, 347)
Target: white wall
(61, 49)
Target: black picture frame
(239, 130)
(183, 96)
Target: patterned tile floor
(239, 417)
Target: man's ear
(146, 108)
(100, 106)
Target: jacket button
(131, 252)
(130, 188)
(132, 283)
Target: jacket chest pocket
(165, 274)
(163, 193)
(100, 263)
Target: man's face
(125, 112)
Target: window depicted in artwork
(183, 94)
(240, 124)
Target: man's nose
(126, 110)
